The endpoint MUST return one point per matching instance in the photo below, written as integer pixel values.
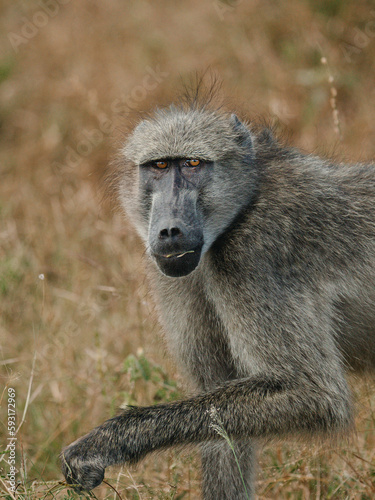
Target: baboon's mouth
(178, 255)
(179, 264)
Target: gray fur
(279, 305)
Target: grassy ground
(85, 339)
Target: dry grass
(79, 73)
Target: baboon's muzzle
(175, 230)
(176, 247)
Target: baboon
(262, 258)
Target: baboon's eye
(160, 164)
(193, 163)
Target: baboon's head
(188, 174)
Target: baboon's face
(172, 190)
(188, 175)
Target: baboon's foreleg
(260, 406)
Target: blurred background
(78, 331)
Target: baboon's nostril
(175, 232)
(163, 234)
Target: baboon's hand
(82, 468)
(121, 439)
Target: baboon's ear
(242, 132)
